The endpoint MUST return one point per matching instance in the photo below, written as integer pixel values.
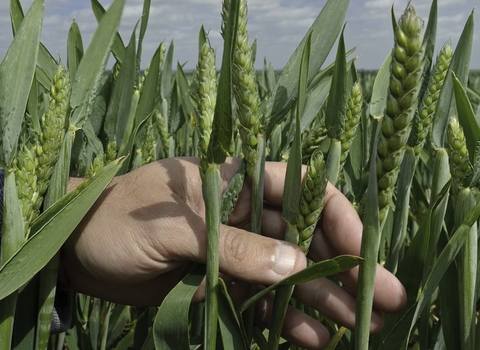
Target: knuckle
(235, 247)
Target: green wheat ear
(245, 88)
(112, 150)
(27, 183)
(460, 166)
(406, 71)
(206, 99)
(429, 102)
(352, 119)
(313, 137)
(312, 200)
(53, 127)
(149, 145)
(38, 153)
(159, 121)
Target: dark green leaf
(118, 47)
(92, 67)
(381, 85)
(324, 31)
(410, 273)
(149, 89)
(46, 63)
(402, 208)
(128, 142)
(170, 329)
(460, 66)
(32, 108)
(74, 49)
(143, 29)
(316, 98)
(175, 120)
(16, 15)
(118, 112)
(293, 178)
(222, 128)
(166, 80)
(233, 336)
(429, 38)
(338, 96)
(369, 251)
(445, 259)
(183, 88)
(466, 117)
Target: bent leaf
(170, 328)
(320, 269)
(51, 230)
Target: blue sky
(278, 25)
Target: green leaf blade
(338, 96)
(16, 75)
(222, 128)
(92, 67)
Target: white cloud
(278, 25)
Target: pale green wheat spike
(163, 50)
(460, 166)
(313, 137)
(53, 128)
(429, 102)
(149, 146)
(352, 119)
(162, 132)
(97, 164)
(26, 180)
(112, 150)
(312, 200)
(142, 79)
(245, 88)
(206, 99)
(116, 70)
(406, 72)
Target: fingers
(339, 232)
(258, 259)
(298, 328)
(243, 255)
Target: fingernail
(285, 259)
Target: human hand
(134, 244)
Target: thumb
(257, 259)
